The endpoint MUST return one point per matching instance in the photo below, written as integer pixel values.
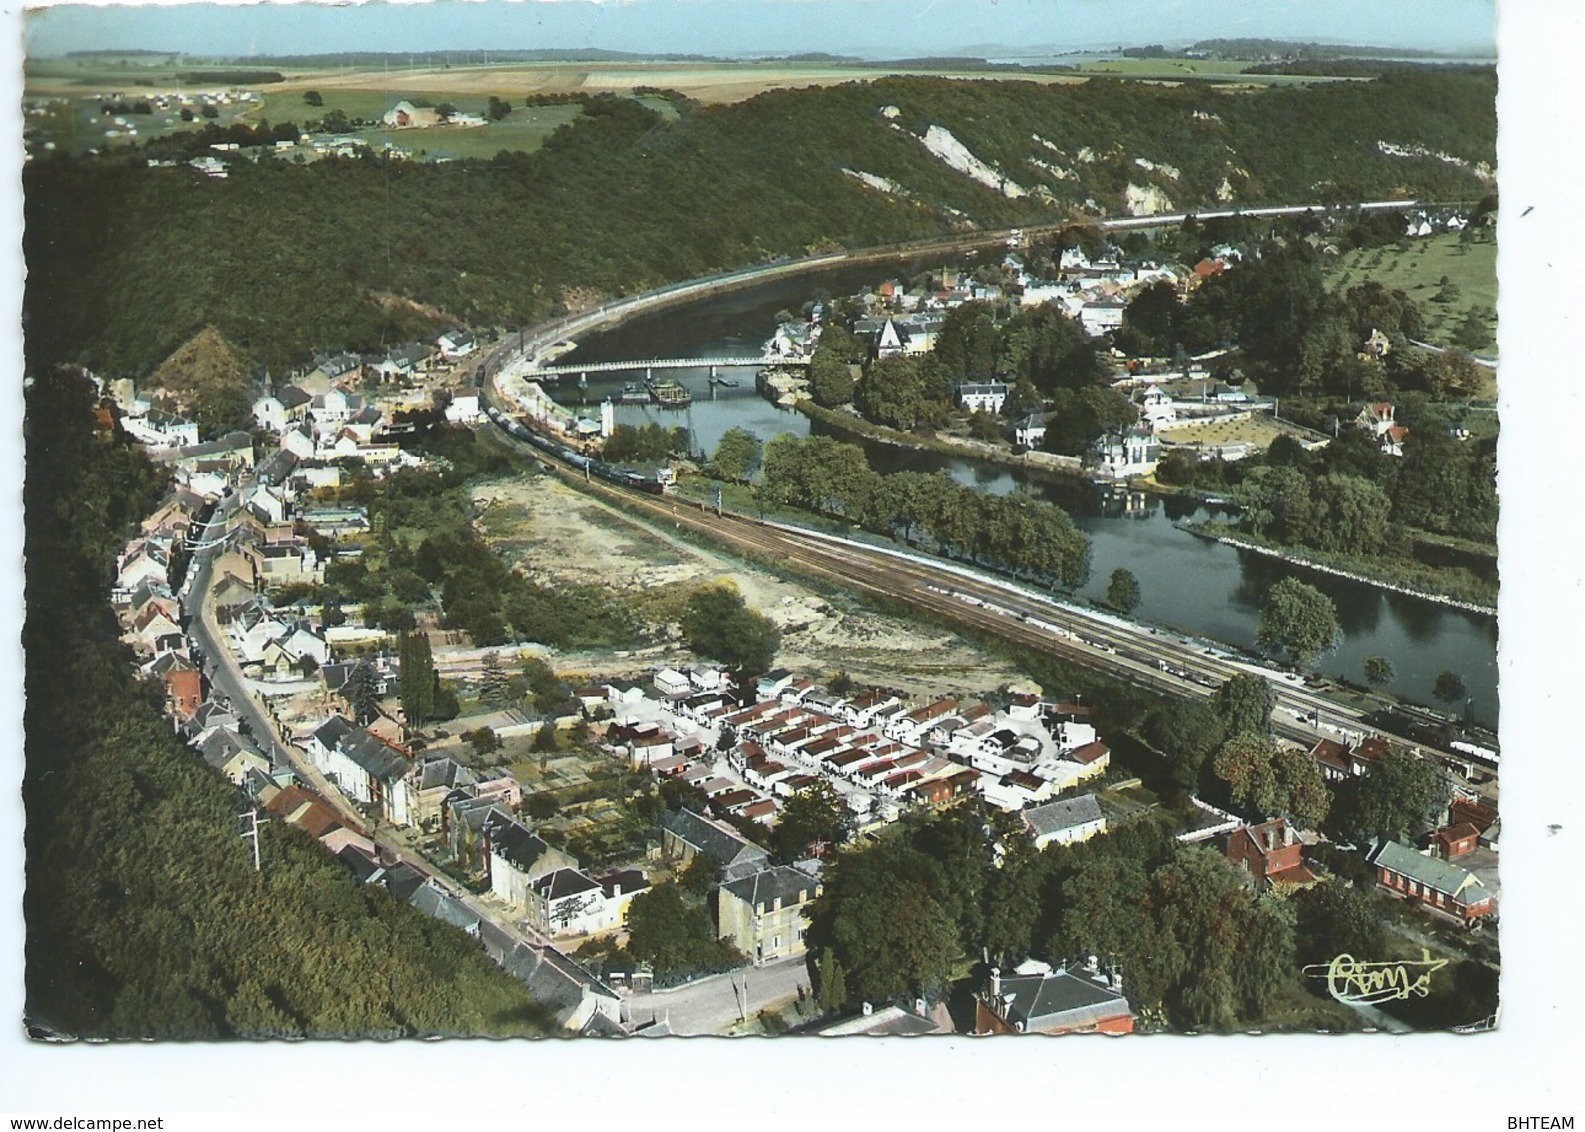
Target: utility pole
(249, 821)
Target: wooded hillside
(126, 262)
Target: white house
(1031, 430)
(456, 344)
(670, 682)
(983, 397)
(1101, 316)
(1133, 452)
(1064, 822)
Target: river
(1187, 583)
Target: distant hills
(125, 262)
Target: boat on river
(634, 394)
(670, 395)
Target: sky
(871, 28)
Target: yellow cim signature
(1351, 980)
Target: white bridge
(662, 363)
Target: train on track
(651, 483)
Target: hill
(207, 377)
(124, 260)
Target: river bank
(1318, 561)
(854, 425)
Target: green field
(524, 130)
(1197, 70)
(1418, 269)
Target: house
(685, 835)
(1334, 759)
(983, 397)
(420, 797)
(1029, 431)
(1454, 841)
(404, 116)
(232, 755)
(184, 686)
(434, 901)
(1064, 822)
(456, 343)
(517, 858)
(894, 1021)
(1134, 451)
(1038, 1000)
(766, 915)
(669, 682)
(1269, 854)
(580, 1002)
(569, 902)
(1102, 316)
(1482, 817)
(366, 768)
(1432, 883)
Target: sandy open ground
(552, 532)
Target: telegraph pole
(249, 823)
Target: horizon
(863, 30)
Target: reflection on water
(1187, 583)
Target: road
(225, 675)
(712, 1005)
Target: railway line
(1152, 658)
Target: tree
(831, 983)
(416, 679)
(1400, 796)
(483, 740)
(545, 739)
(1298, 619)
(1186, 732)
(336, 122)
(493, 686)
(700, 875)
(1301, 791)
(812, 816)
(737, 455)
(881, 919)
(1244, 704)
(1449, 687)
(1244, 762)
(542, 805)
(1378, 671)
(313, 98)
(718, 625)
(1337, 919)
(830, 380)
(671, 933)
(1122, 593)
(499, 108)
(210, 110)
(360, 694)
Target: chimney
(868, 1010)
(996, 982)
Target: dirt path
(558, 535)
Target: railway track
(1152, 658)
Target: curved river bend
(1187, 583)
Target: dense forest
(126, 262)
(144, 915)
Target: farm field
(1418, 270)
(1257, 430)
(705, 82)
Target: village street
(227, 676)
(711, 1006)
